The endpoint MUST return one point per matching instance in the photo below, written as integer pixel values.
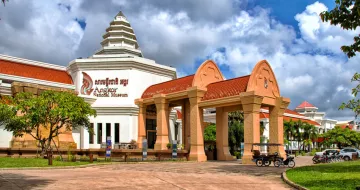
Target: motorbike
(316, 159)
(289, 162)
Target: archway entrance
(151, 132)
(208, 89)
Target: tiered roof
(120, 38)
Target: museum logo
(103, 87)
(87, 85)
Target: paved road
(174, 175)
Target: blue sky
(303, 51)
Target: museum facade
(110, 80)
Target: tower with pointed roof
(120, 38)
(111, 79)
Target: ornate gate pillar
(197, 152)
(162, 122)
(276, 129)
(251, 104)
(141, 123)
(222, 133)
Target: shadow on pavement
(250, 170)
(10, 181)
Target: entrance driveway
(165, 175)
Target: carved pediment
(263, 80)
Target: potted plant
(133, 144)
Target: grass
(7, 162)
(343, 175)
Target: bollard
(91, 156)
(49, 155)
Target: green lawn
(6, 162)
(343, 175)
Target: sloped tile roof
(168, 87)
(226, 88)
(287, 118)
(35, 72)
(305, 104)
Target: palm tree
(289, 131)
(299, 132)
(309, 134)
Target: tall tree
(341, 137)
(347, 14)
(236, 136)
(50, 111)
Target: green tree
(354, 104)
(309, 134)
(52, 111)
(236, 136)
(347, 14)
(236, 116)
(210, 133)
(341, 137)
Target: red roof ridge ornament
(305, 104)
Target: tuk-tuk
(264, 159)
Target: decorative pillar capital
(139, 102)
(160, 99)
(251, 102)
(281, 103)
(195, 93)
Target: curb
(292, 184)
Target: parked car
(327, 152)
(348, 152)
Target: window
(99, 133)
(117, 133)
(91, 136)
(108, 130)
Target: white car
(347, 153)
(327, 152)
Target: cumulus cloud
(308, 62)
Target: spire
(120, 38)
(120, 14)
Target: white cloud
(309, 66)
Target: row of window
(107, 131)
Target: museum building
(110, 80)
(127, 89)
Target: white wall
(5, 137)
(128, 129)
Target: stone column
(251, 104)
(162, 122)
(186, 124)
(141, 122)
(222, 133)
(197, 152)
(276, 129)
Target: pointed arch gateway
(207, 88)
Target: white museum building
(110, 80)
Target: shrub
(58, 158)
(180, 146)
(302, 153)
(313, 151)
(84, 158)
(237, 154)
(168, 145)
